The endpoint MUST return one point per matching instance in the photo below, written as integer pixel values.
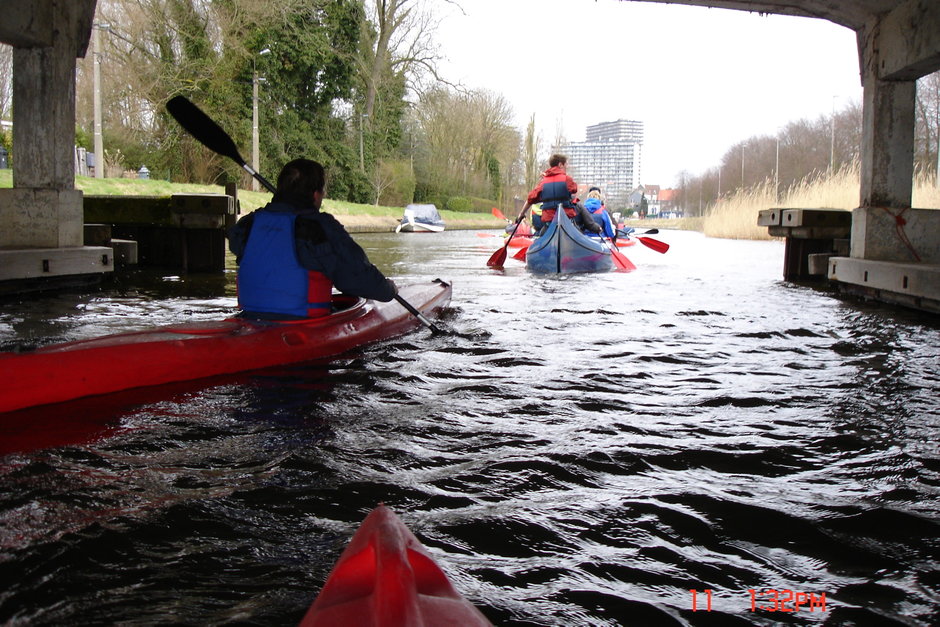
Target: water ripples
(587, 450)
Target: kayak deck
(63, 372)
(386, 577)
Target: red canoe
(386, 578)
(63, 372)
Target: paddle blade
(498, 258)
(203, 128)
(499, 214)
(621, 261)
(520, 254)
(655, 244)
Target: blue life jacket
(271, 279)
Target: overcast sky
(699, 79)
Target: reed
(926, 191)
(735, 216)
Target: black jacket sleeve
(238, 236)
(323, 245)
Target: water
(589, 450)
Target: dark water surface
(589, 450)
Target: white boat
(420, 219)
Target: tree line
(355, 85)
(351, 83)
(806, 149)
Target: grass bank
(355, 217)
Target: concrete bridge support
(898, 42)
(42, 234)
(895, 249)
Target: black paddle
(622, 233)
(211, 135)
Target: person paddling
(595, 206)
(290, 255)
(557, 189)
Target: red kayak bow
(386, 578)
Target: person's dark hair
(297, 182)
(556, 160)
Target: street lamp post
(96, 79)
(255, 151)
(832, 136)
(777, 171)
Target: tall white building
(609, 159)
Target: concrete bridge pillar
(887, 164)
(42, 235)
(895, 249)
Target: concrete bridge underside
(898, 42)
(895, 249)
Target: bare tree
(469, 142)
(803, 148)
(392, 183)
(927, 124)
(6, 81)
(400, 44)
(530, 154)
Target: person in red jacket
(558, 189)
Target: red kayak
(63, 372)
(519, 241)
(386, 578)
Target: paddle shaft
(417, 314)
(247, 168)
(211, 135)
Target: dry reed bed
(735, 217)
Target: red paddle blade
(655, 244)
(520, 254)
(498, 258)
(621, 261)
(499, 214)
